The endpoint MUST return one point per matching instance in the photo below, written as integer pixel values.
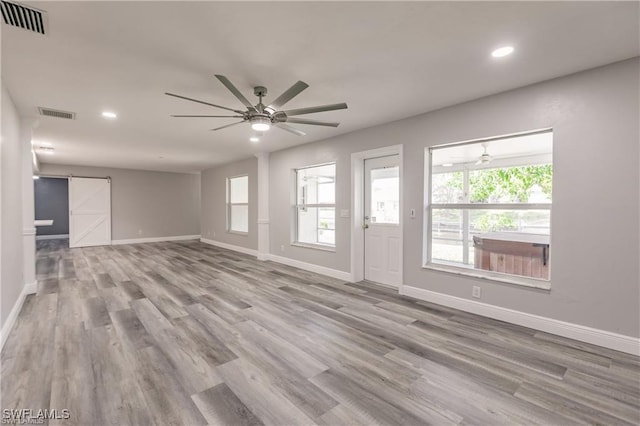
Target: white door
(382, 234)
(89, 212)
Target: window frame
(297, 207)
(444, 266)
(230, 205)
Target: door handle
(365, 225)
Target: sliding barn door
(89, 212)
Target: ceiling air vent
(23, 17)
(48, 112)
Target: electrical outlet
(476, 292)
(412, 213)
(282, 247)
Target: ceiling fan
(263, 117)
(485, 158)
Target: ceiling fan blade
(310, 110)
(314, 122)
(229, 125)
(224, 80)
(290, 129)
(213, 116)
(289, 94)
(203, 102)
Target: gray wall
(52, 202)
(214, 214)
(11, 272)
(595, 217)
(145, 204)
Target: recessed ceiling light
(109, 114)
(447, 164)
(254, 139)
(502, 51)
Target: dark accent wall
(52, 202)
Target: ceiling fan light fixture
(260, 123)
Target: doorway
(51, 207)
(73, 208)
(382, 238)
(376, 237)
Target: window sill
(491, 276)
(315, 247)
(238, 233)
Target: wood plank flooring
(186, 333)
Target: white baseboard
(51, 237)
(244, 250)
(607, 339)
(341, 275)
(30, 288)
(27, 289)
(322, 270)
(155, 239)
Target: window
(489, 208)
(385, 195)
(238, 204)
(315, 208)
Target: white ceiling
(387, 60)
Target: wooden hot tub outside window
(520, 254)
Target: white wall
(213, 211)
(595, 217)
(145, 204)
(11, 270)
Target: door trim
(357, 207)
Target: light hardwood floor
(186, 333)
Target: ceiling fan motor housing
(279, 117)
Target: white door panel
(394, 246)
(383, 239)
(89, 212)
